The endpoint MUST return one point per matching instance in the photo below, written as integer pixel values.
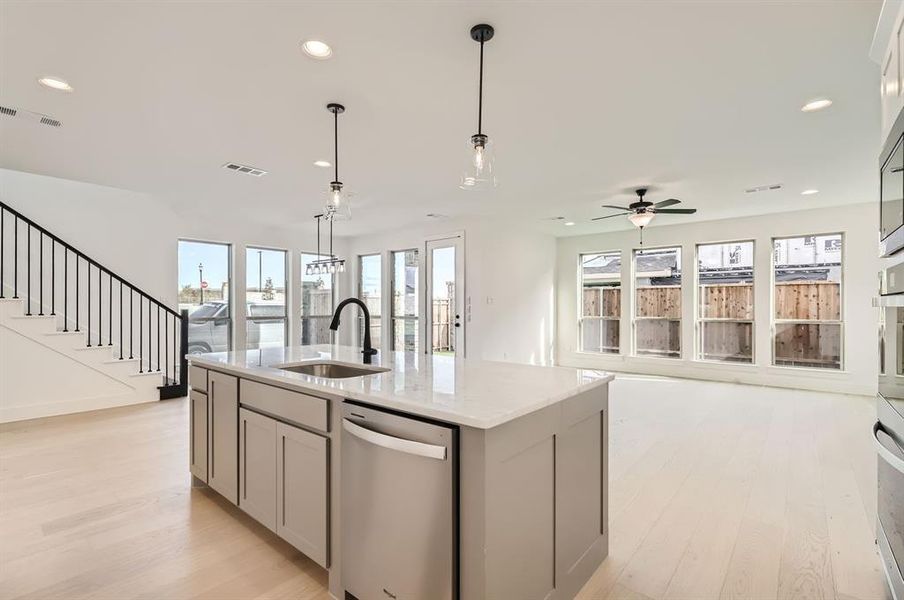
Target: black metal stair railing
(167, 359)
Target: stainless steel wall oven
(888, 432)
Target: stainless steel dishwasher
(399, 506)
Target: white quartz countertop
(469, 392)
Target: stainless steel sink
(332, 370)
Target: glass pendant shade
(641, 219)
(481, 170)
(337, 206)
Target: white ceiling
(582, 99)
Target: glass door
(445, 296)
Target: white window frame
(285, 317)
(230, 301)
(699, 320)
(774, 322)
(301, 275)
(580, 303)
(358, 288)
(419, 289)
(634, 317)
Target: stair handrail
(168, 390)
(87, 258)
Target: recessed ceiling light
(55, 83)
(817, 104)
(323, 164)
(316, 49)
(809, 192)
(569, 223)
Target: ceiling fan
(640, 213)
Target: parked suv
(209, 326)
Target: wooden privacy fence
(726, 320)
(442, 325)
(794, 301)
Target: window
(370, 286)
(600, 302)
(265, 297)
(725, 302)
(807, 298)
(657, 302)
(405, 301)
(316, 303)
(204, 289)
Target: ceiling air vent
(764, 188)
(30, 116)
(245, 169)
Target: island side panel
(472, 512)
(334, 417)
(520, 506)
(582, 541)
(534, 496)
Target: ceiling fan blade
(676, 211)
(616, 207)
(665, 203)
(610, 216)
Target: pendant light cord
(336, 144)
(480, 95)
(318, 237)
(331, 240)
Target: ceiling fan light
(641, 219)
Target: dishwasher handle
(394, 443)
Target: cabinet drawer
(297, 407)
(197, 378)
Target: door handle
(888, 455)
(394, 443)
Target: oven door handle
(889, 456)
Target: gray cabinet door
(223, 435)
(257, 467)
(197, 457)
(302, 462)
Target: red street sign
(203, 285)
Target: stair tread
(82, 333)
(33, 316)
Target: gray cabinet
(257, 467)
(302, 480)
(222, 432)
(197, 457)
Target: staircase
(83, 323)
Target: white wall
(509, 279)
(509, 273)
(859, 223)
(136, 235)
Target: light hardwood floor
(717, 491)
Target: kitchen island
(463, 478)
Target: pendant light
(332, 263)
(480, 173)
(337, 206)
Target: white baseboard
(10, 414)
